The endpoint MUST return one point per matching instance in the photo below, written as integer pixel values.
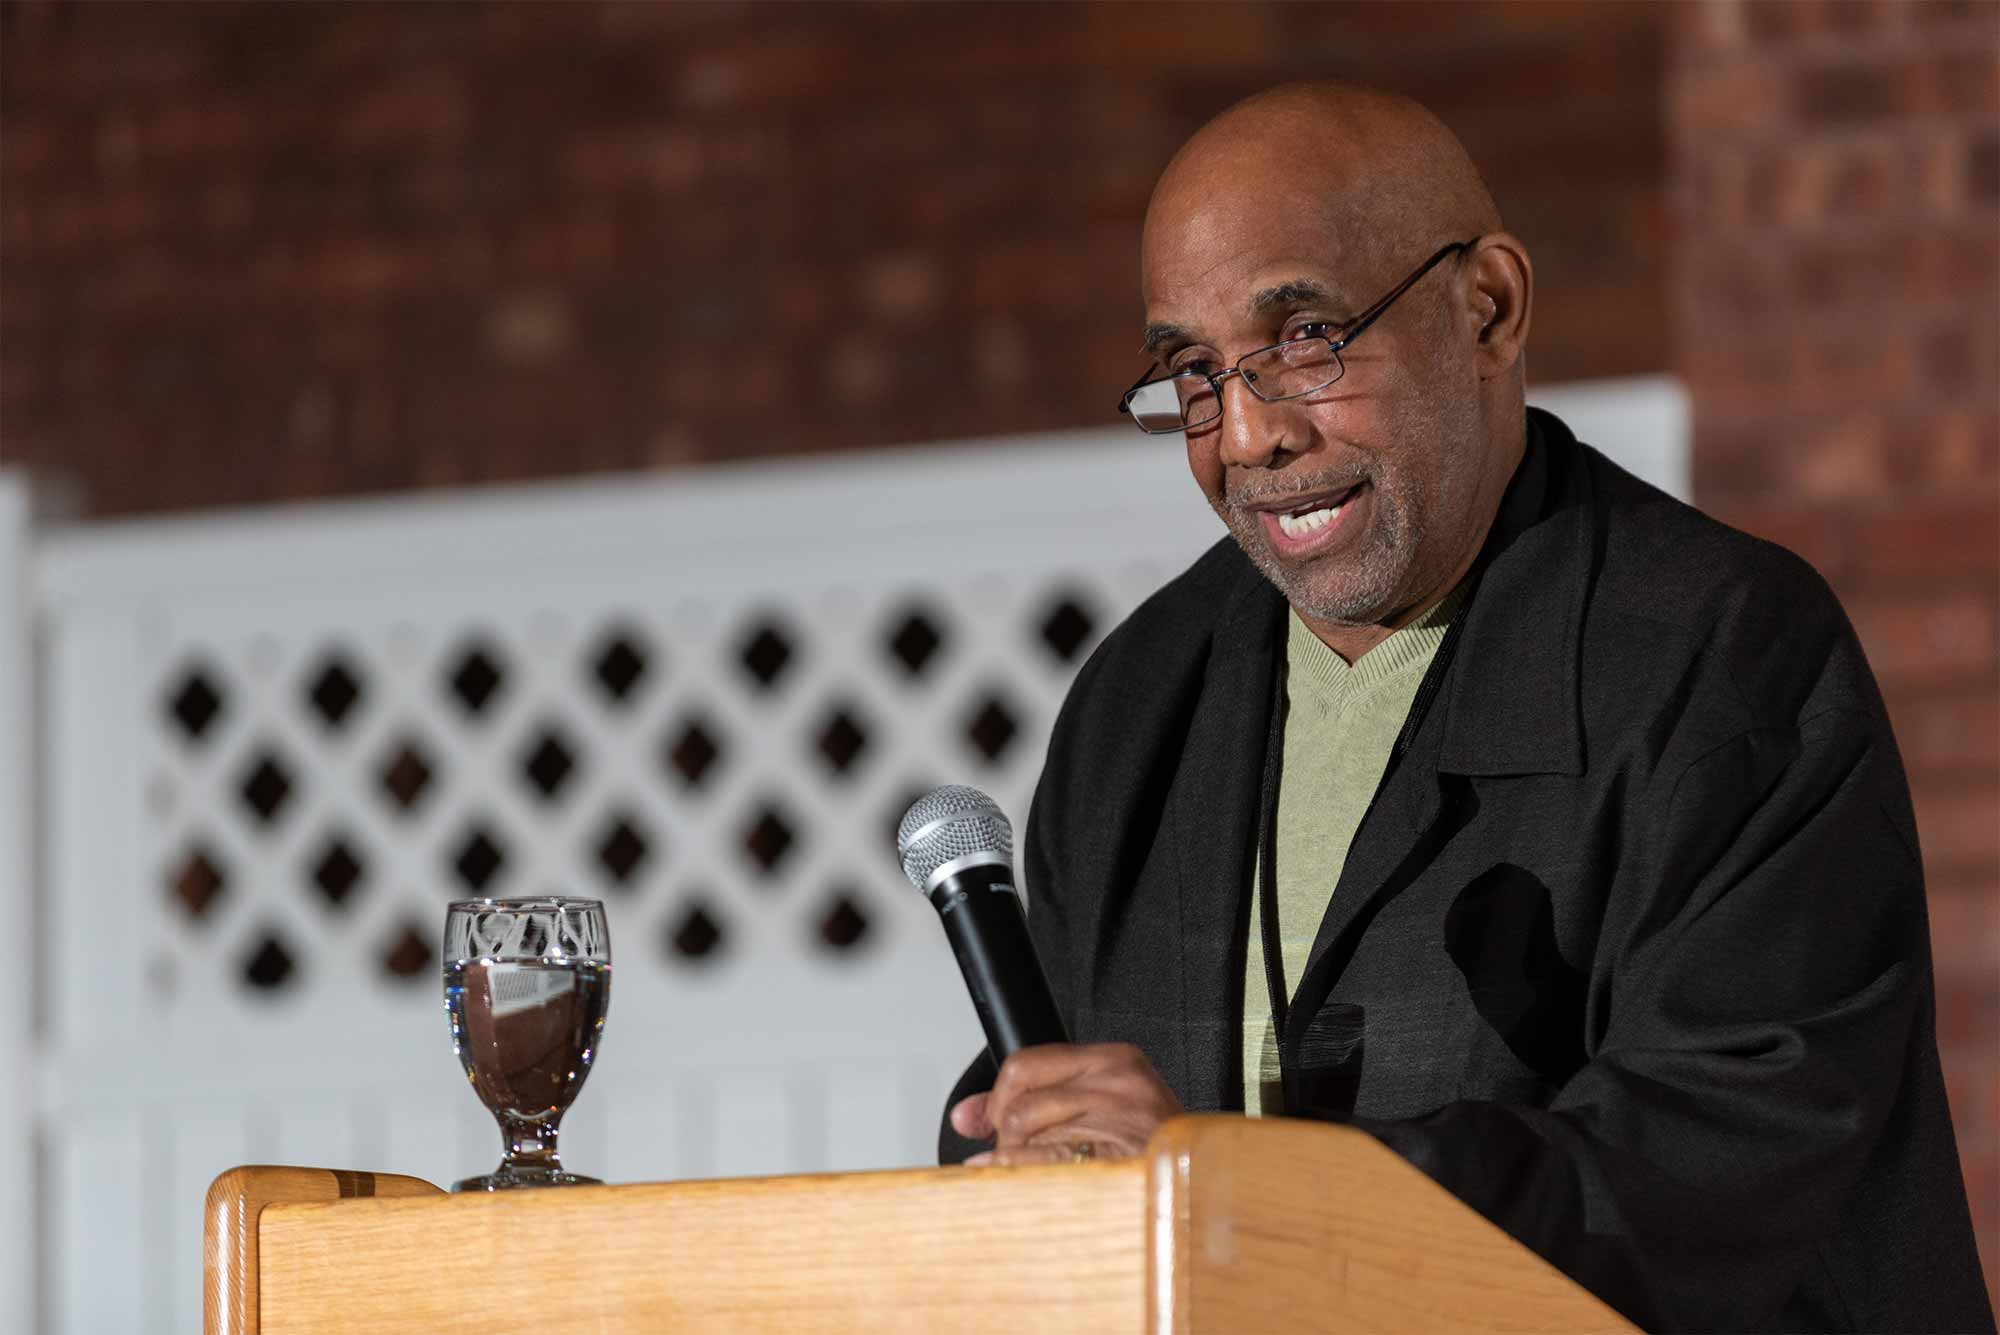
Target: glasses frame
(1350, 331)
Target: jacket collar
(1512, 704)
(1215, 799)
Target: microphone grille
(949, 823)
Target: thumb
(968, 1118)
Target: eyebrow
(1158, 335)
(1294, 292)
(1297, 292)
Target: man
(1478, 794)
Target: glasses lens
(1197, 396)
(1161, 406)
(1294, 367)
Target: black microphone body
(989, 934)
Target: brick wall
(263, 252)
(257, 253)
(1836, 303)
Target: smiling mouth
(1301, 520)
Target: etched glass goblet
(526, 985)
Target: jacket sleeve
(1761, 977)
(1047, 924)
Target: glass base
(508, 1179)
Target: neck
(1351, 640)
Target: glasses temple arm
(1374, 313)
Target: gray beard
(1365, 587)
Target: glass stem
(528, 1143)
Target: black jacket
(1630, 949)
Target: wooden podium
(1225, 1224)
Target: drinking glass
(526, 986)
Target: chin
(1341, 608)
(1359, 593)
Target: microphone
(957, 847)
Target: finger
(1023, 1155)
(1032, 1068)
(1056, 1063)
(968, 1118)
(979, 1160)
(1039, 1111)
(1117, 1094)
(1105, 1142)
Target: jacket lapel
(1213, 813)
(1514, 702)
(1506, 702)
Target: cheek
(1205, 462)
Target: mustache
(1339, 479)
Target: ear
(1499, 301)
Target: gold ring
(1083, 1153)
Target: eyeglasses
(1288, 370)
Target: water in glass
(526, 986)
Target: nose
(1254, 432)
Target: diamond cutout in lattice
(1068, 627)
(336, 871)
(767, 653)
(769, 839)
(623, 849)
(477, 676)
(268, 966)
(408, 955)
(695, 934)
(915, 640)
(195, 703)
(479, 859)
(844, 924)
(992, 728)
(405, 776)
(693, 752)
(266, 788)
(334, 691)
(198, 882)
(841, 740)
(621, 665)
(549, 764)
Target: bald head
(1380, 172)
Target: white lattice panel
(723, 777)
(273, 746)
(281, 744)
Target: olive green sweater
(1341, 722)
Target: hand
(1052, 1100)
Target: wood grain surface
(230, 1262)
(1225, 1225)
(1279, 1225)
(1060, 1248)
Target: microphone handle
(989, 934)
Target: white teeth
(1297, 526)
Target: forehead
(1205, 262)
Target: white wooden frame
(19, 906)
